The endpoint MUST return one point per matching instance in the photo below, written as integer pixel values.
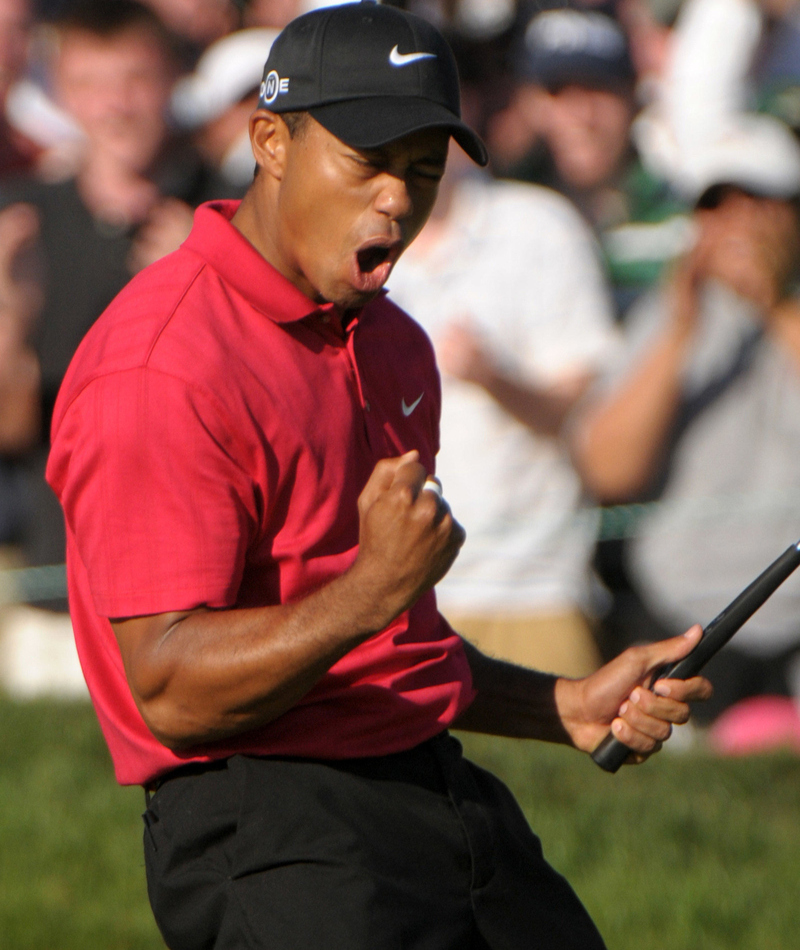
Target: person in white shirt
(701, 413)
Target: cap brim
(375, 121)
(589, 74)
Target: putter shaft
(611, 753)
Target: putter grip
(611, 753)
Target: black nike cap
(369, 74)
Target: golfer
(241, 447)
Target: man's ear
(270, 139)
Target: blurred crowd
(615, 304)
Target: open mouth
(370, 258)
(373, 264)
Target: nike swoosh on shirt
(407, 410)
(396, 58)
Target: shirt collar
(227, 250)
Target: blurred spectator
(19, 378)
(19, 369)
(18, 153)
(705, 85)
(219, 97)
(727, 57)
(777, 68)
(504, 278)
(569, 126)
(272, 14)
(129, 203)
(197, 23)
(275, 14)
(704, 415)
(648, 27)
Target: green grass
(71, 865)
(685, 853)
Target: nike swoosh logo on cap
(396, 58)
(407, 410)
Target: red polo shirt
(210, 442)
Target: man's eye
(428, 173)
(363, 164)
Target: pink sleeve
(154, 489)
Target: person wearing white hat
(704, 413)
(218, 98)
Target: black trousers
(421, 850)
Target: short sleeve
(155, 494)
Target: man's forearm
(619, 443)
(512, 701)
(200, 675)
(519, 703)
(542, 410)
(203, 675)
(20, 418)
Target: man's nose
(394, 198)
(117, 97)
